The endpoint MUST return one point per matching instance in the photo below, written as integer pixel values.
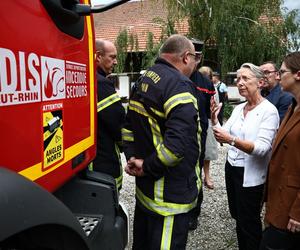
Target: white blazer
(259, 126)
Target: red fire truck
(48, 198)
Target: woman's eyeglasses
(282, 71)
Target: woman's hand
(222, 135)
(293, 226)
(215, 110)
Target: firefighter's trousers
(154, 232)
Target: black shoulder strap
(135, 86)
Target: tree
(239, 30)
(126, 45)
(292, 29)
(121, 45)
(152, 49)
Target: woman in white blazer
(250, 131)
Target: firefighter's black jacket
(111, 116)
(162, 127)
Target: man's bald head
(180, 52)
(100, 45)
(106, 55)
(176, 44)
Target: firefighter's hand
(138, 163)
(129, 169)
(293, 226)
(135, 167)
(222, 135)
(130, 162)
(215, 110)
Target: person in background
(161, 144)
(272, 91)
(283, 183)
(222, 94)
(110, 115)
(211, 146)
(249, 131)
(204, 90)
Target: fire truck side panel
(47, 132)
(47, 95)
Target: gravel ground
(216, 230)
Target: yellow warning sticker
(53, 137)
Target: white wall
(123, 90)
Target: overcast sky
(290, 4)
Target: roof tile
(138, 18)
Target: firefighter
(160, 137)
(110, 114)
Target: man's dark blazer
(280, 99)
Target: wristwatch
(232, 143)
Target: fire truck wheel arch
(25, 205)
